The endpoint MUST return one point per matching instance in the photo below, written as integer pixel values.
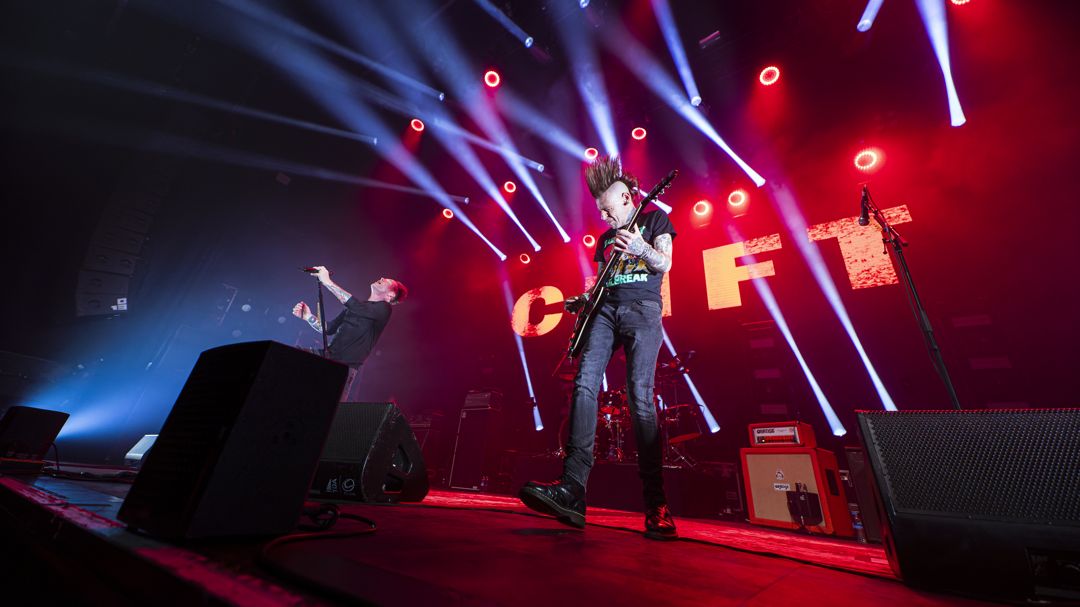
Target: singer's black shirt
(357, 329)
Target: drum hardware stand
(674, 455)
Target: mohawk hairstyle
(603, 173)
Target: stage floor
(453, 549)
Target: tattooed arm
(324, 277)
(657, 256)
(303, 312)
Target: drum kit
(678, 423)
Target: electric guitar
(595, 295)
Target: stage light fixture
(738, 198)
(510, 187)
(960, 2)
(654, 76)
(769, 75)
(868, 16)
(492, 78)
(447, 213)
(591, 154)
(869, 160)
(589, 240)
(583, 3)
(524, 258)
(934, 18)
(666, 20)
(505, 20)
(417, 125)
(638, 133)
(702, 208)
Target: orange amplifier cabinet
(782, 434)
(769, 474)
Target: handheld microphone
(864, 207)
(312, 270)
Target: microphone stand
(890, 236)
(322, 316)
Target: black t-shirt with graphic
(632, 279)
(357, 329)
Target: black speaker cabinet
(237, 453)
(371, 456)
(26, 433)
(475, 447)
(984, 503)
(863, 479)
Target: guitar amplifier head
(782, 434)
(483, 399)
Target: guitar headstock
(660, 187)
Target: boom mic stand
(319, 310)
(890, 236)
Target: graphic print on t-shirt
(628, 269)
(631, 279)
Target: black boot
(659, 525)
(564, 499)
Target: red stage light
(447, 213)
(591, 153)
(960, 2)
(869, 160)
(769, 75)
(510, 187)
(416, 124)
(492, 78)
(738, 198)
(589, 240)
(702, 208)
(524, 257)
(638, 133)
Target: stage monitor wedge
(238, 450)
(26, 433)
(371, 455)
(983, 503)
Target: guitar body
(585, 319)
(595, 295)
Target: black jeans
(637, 328)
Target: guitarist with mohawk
(628, 315)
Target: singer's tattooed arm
(341, 294)
(324, 277)
(658, 256)
(313, 321)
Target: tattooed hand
(630, 241)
